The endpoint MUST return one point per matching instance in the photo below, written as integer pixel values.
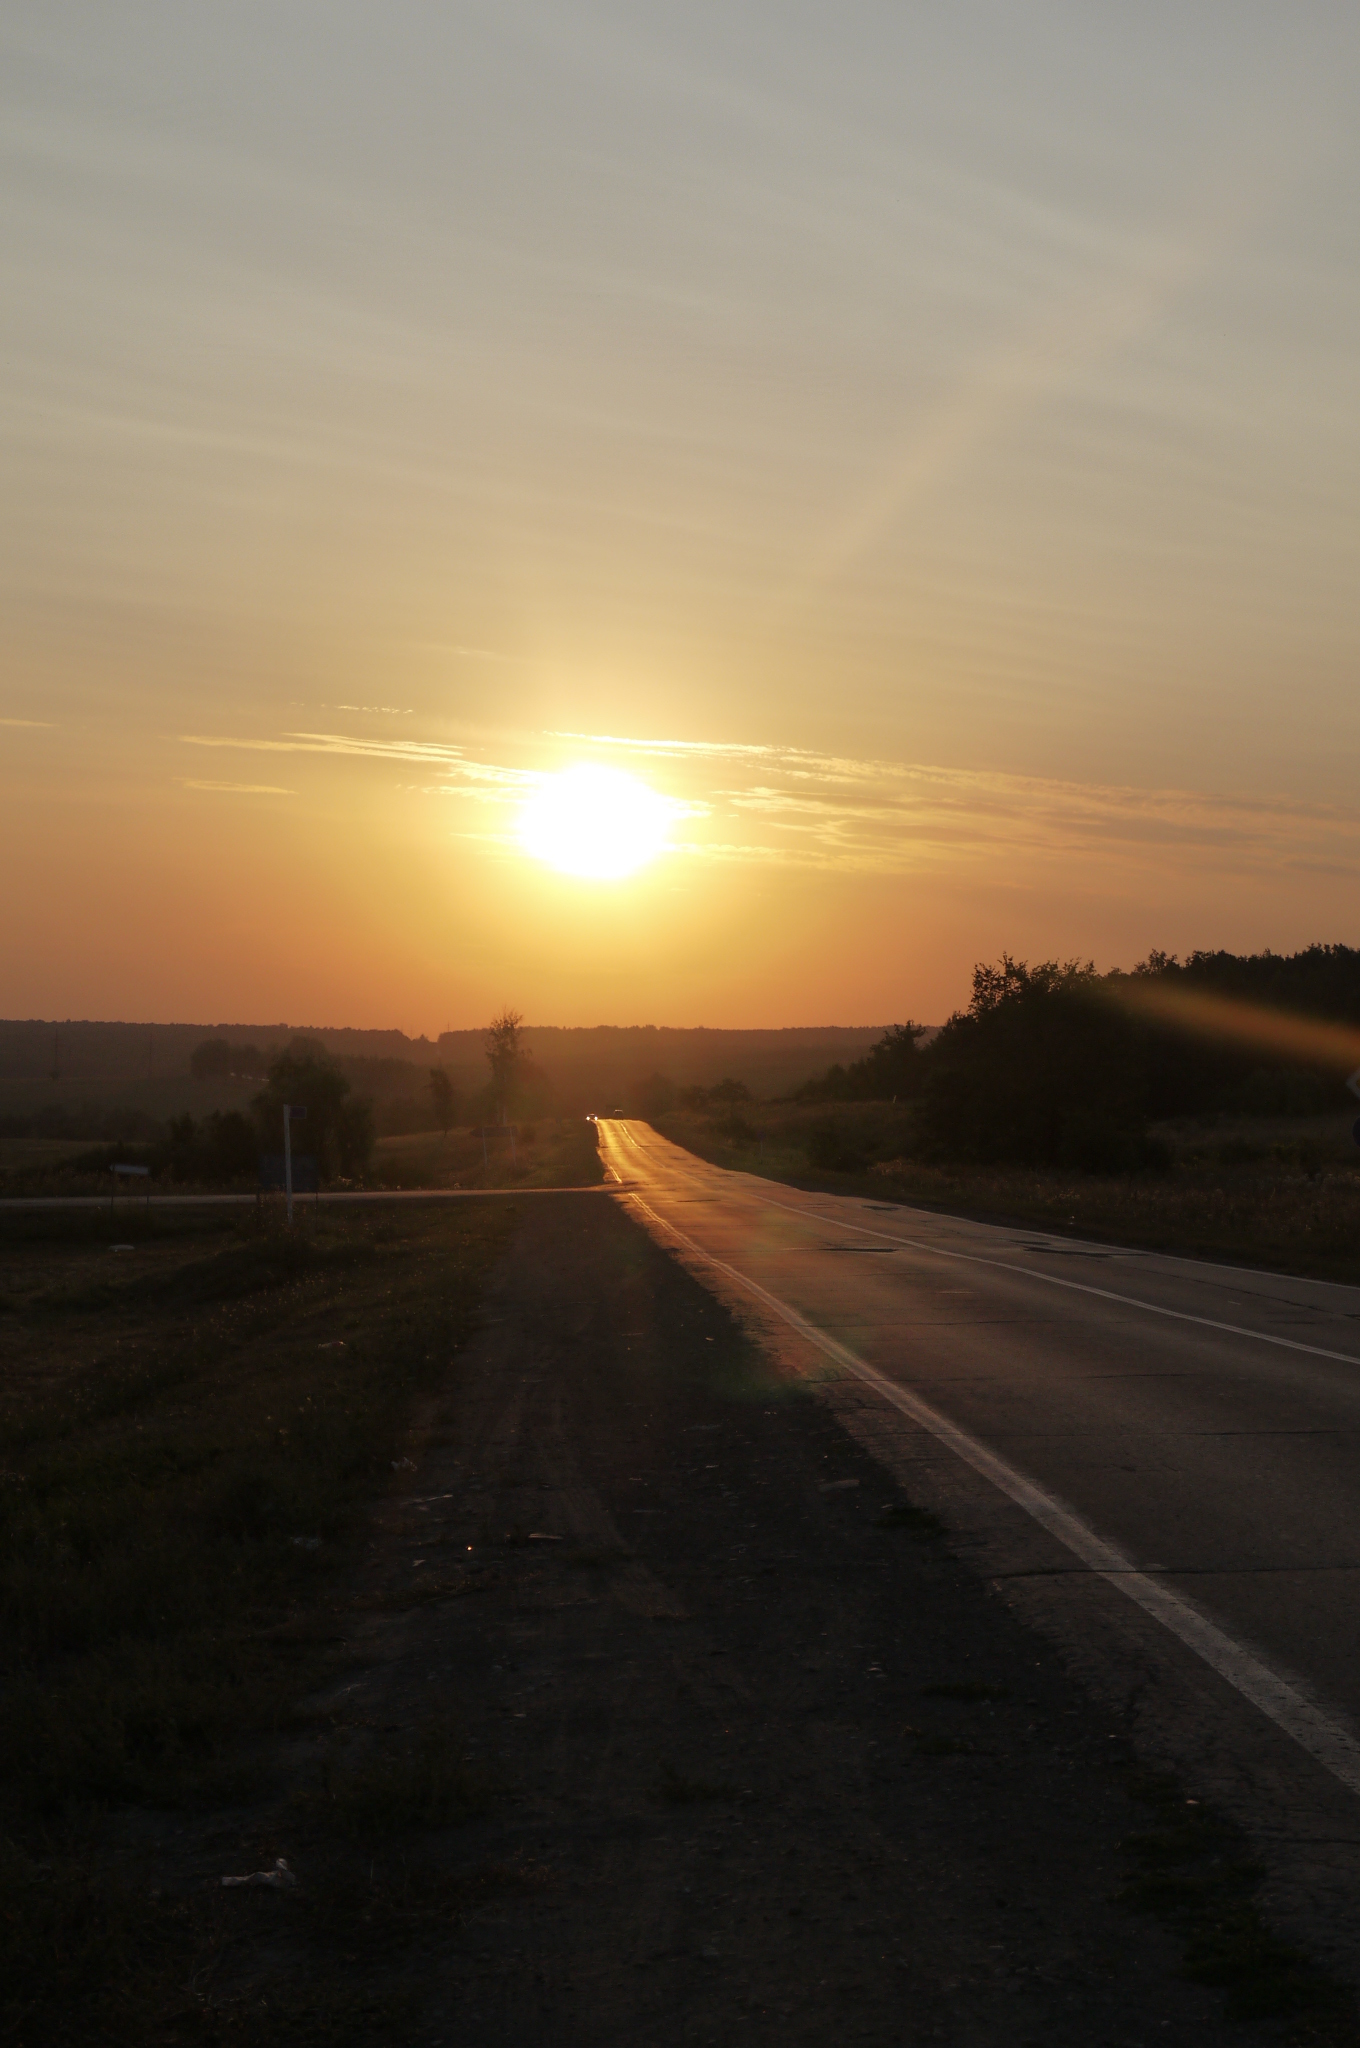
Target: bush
(892, 1069)
(1041, 1069)
(339, 1130)
(654, 1096)
(217, 1058)
(832, 1148)
(223, 1147)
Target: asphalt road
(1188, 1434)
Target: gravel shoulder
(663, 1716)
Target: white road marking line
(1151, 1308)
(1327, 1740)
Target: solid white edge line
(1326, 1740)
(1151, 1308)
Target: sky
(920, 444)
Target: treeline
(1055, 1064)
(337, 1132)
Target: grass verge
(190, 1432)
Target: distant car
(614, 1112)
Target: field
(552, 1153)
(1278, 1192)
(193, 1424)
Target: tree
(217, 1057)
(892, 1067)
(1043, 1068)
(730, 1092)
(655, 1095)
(339, 1130)
(442, 1099)
(507, 1057)
(211, 1060)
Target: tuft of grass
(942, 1745)
(594, 1556)
(901, 1514)
(966, 1690)
(1192, 1870)
(426, 1783)
(680, 1789)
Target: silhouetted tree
(211, 1060)
(893, 1067)
(339, 1129)
(1041, 1068)
(654, 1096)
(442, 1099)
(218, 1057)
(506, 1056)
(730, 1091)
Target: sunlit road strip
(935, 1251)
(1319, 1733)
(1152, 1308)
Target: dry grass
(552, 1153)
(172, 1421)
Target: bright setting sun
(595, 822)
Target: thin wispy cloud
(30, 724)
(240, 788)
(331, 743)
(795, 807)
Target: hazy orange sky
(922, 442)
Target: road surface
(1182, 1438)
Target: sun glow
(595, 822)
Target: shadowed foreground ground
(645, 1710)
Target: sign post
(129, 1171)
(290, 1110)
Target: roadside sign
(293, 1112)
(126, 1172)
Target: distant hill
(146, 1066)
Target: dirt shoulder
(646, 1709)
(742, 1752)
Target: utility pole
(290, 1110)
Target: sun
(595, 822)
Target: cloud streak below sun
(789, 807)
